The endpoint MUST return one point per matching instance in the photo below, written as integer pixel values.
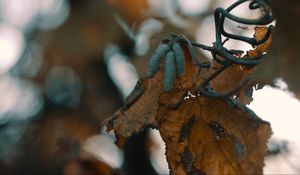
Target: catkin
(169, 72)
(153, 65)
(179, 58)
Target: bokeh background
(67, 65)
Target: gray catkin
(153, 65)
(179, 58)
(169, 72)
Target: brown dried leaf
(260, 32)
(141, 106)
(209, 136)
(244, 96)
(202, 135)
(233, 75)
(144, 101)
(230, 78)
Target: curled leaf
(202, 135)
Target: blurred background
(67, 65)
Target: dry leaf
(202, 135)
(210, 136)
(233, 75)
(260, 32)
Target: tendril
(175, 63)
